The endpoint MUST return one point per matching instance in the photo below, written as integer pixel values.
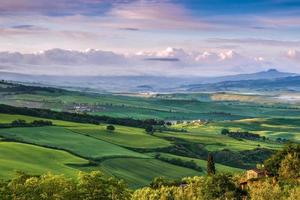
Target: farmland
(129, 152)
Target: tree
(265, 190)
(220, 186)
(273, 164)
(224, 131)
(290, 166)
(110, 128)
(149, 129)
(211, 170)
(18, 123)
(96, 186)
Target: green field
(219, 106)
(35, 160)
(61, 138)
(201, 163)
(214, 141)
(124, 136)
(141, 171)
(287, 128)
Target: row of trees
(81, 118)
(244, 135)
(23, 123)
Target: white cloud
(293, 54)
(167, 62)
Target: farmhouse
(255, 173)
(252, 175)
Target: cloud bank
(167, 62)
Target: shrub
(110, 128)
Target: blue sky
(211, 37)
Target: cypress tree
(211, 170)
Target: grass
(201, 163)
(124, 136)
(61, 138)
(140, 172)
(35, 160)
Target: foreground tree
(217, 187)
(96, 186)
(89, 186)
(265, 190)
(211, 170)
(273, 164)
(290, 166)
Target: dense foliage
(285, 161)
(88, 186)
(220, 186)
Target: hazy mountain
(146, 83)
(291, 83)
(269, 74)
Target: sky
(149, 37)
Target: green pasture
(139, 172)
(201, 163)
(61, 138)
(210, 136)
(124, 136)
(35, 160)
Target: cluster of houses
(185, 122)
(85, 108)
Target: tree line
(245, 135)
(80, 118)
(23, 123)
(177, 161)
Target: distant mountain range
(269, 74)
(265, 80)
(279, 84)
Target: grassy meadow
(36, 160)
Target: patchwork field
(60, 138)
(35, 160)
(201, 163)
(124, 136)
(141, 171)
(128, 152)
